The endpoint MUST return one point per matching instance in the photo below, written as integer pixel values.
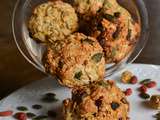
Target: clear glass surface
(33, 52)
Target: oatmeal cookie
(87, 8)
(115, 30)
(52, 21)
(79, 62)
(98, 101)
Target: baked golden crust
(52, 21)
(79, 62)
(87, 8)
(98, 101)
(116, 31)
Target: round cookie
(87, 8)
(52, 21)
(116, 31)
(97, 101)
(80, 61)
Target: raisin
(117, 14)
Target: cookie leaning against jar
(115, 30)
(79, 62)
(97, 101)
(52, 21)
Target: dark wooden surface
(16, 72)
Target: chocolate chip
(114, 105)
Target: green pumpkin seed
(115, 105)
(36, 106)
(145, 81)
(41, 117)
(97, 57)
(30, 115)
(49, 97)
(78, 75)
(103, 84)
(113, 52)
(109, 17)
(144, 95)
(22, 108)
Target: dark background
(16, 72)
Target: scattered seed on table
(41, 117)
(22, 108)
(6, 113)
(49, 97)
(36, 106)
(30, 115)
(52, 113)
(145, 81)
(144, 95)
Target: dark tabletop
(16, 72)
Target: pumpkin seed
(109, 17)
(114, 105)
(49, 97)
(30, 115)
(78, 75)
(145, 81)
(97, 57)
(103, 84)
(22, 108)
(41, 117)
(144, 95)
(36, 106)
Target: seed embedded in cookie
(79, 62)
(52, 21)
(98, 101)
(115, 30)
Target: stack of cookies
(82, 36)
